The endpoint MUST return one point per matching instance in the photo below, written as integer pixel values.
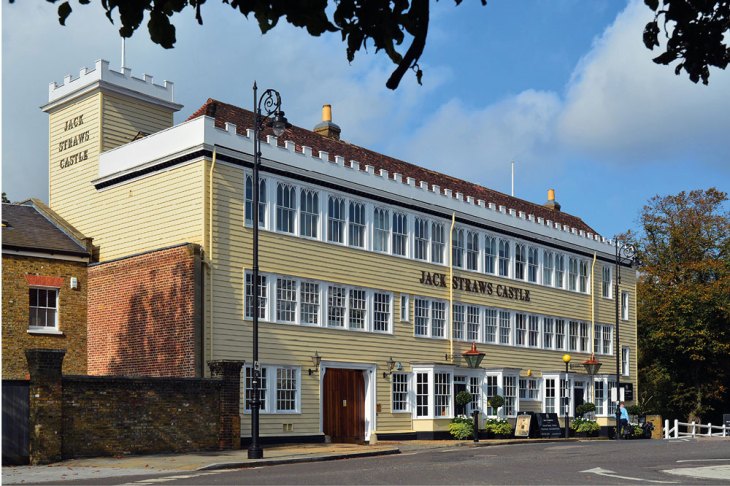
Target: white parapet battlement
(102, 74)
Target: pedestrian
(624, 417)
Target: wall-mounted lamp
(473, 357)
(392, 366)
(316, 360)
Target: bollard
(475, 415)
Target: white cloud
(621, 106)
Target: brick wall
(15, 314)
(84, 416)
(145, 314)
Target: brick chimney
(326, 128)
(551, 202)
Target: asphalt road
(690, 461)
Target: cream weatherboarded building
(386, 271)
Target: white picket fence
(694, 430)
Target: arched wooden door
(343, 405)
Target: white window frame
(624, 305)
(271, 390)
(46, 329)
(395, 380)
(430, 372)
(530, 389)
(491, 253)
(607, 282)
(430, 319)
(625, 361)
(263, 201)
(405, 307)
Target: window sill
(52, 332)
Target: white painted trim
(370, 378)
(40, 254)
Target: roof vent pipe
(326, 128)
(551, 202)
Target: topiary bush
(463, 398)
(496, 401)
(585, 408)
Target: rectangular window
(286, 389)
(358, 309)
(404, 311)
(286, 300)
(529, 389)
(564, 398)
(457, 248)
(249, 201)
(547, 267)
(399, 392)
(336, 306)
(503, 258)
(490, 254)
(583, 276)
(559, 334)
(559, 271)
(263, 388)
(420, 243)
(491, 390)
(532, 264)
(422, 394)
(550, 395)
(607, 339)
(600, 391)
(438, 319)
(510, 395)
(442, 394)
(309, 297)
(400, 234)
(437, 242)
(520, 329)
(381, 229)
(357, 225)
(381, 312)
(309, 216)
(597, 339)
(606, 282)
(572, 273)
(336, 219)
(421, 312)
(490, 326)
(458, 321)
(262, 296)
(505, 329)
(286, 207)
(520, 259)
(625, 361)
(534, 331)
(475, 389)
(43, 308)
(625, 306)
(572, 341)
(584, 338)
(472, 323)
(472, 251)
(547, 333)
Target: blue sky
(565, 88)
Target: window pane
(437, 243)
(504, 258)
(420, 247)
(336, 219)
(309, 313)
(472, 328)
(381, 310)
(458, 321)
(490, 325)
(357, 309)
(400, 234)
(336, 306)
(309, 207)
(286, 300)
(262, 296)
(400, 392)
(490, 254)
(457, 249)
(442, 394)
(422, 394)
(421, 309)
(381, 230)
(357, 225)
(286, 389)
(285, 207)
(438, 319)
(472, 251)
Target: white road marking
(703, 460)
(452, 450)
(172, 478)
(703, 472)
(608, 473)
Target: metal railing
(693, 429)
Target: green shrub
(462, 428)
(463, 398)
(584, 408)
(498, 426)
(496, 401)
(581, 425)
(634, 410)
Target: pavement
(100, 467)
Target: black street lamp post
(566, 360)
(270, 103)
(624, 252)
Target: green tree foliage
(694, 31)
(5, 198)
(684, 304)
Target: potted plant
(462, 427)
(462, 399)
(584, 408)
(498, 428)
(583, 427)
(496, 401)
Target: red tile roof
(223, 112)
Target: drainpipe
(592, 385)
(451, 288)
(209, 260)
